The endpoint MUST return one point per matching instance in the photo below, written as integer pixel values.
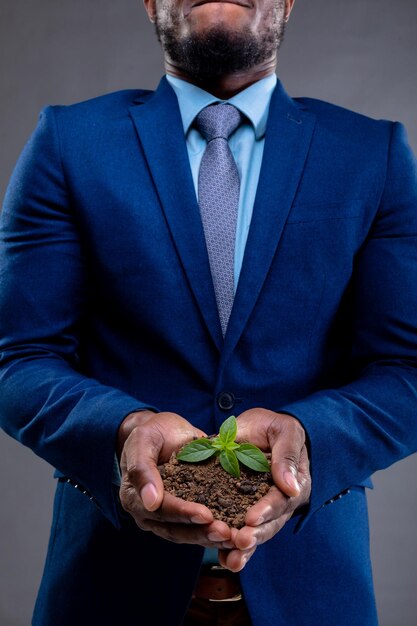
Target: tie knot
(218, 120)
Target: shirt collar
(252, 101)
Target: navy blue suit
(107, 306)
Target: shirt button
(225, 400)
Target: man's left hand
(284, 436)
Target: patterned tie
(218, 198)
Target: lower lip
(237, 4)
(189, 9)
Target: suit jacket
(107, 306)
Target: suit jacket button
(225, 400)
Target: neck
(225, 86)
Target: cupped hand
(146, 440)
(284, 436)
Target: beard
(221, 51)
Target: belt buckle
(235, 598)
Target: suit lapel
(287, 141)
(159, 127)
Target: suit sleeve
(371, 422)
(66, 418)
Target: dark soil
(208, 483)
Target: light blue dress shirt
(246, 143)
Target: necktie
(218, 199)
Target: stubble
(220, 50)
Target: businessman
(170, 258)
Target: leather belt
(217, 584)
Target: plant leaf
(228, 430)
(197, 450)
(217, 443)
(252, 457)
(229, 462)
(231, 446)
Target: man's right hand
(145, 440)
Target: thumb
(139, 466)
(289, 483)
(286, 455)
(151, 495)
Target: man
(134, 319)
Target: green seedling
(225, 447)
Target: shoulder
(91, 122)
(104, 107)
(343, 123)
(346, 137)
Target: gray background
(359, 53)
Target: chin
(217, 49)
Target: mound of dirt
(208, 483)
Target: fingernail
(252, 543)
(260, 520)
(199, 519)
(149, 496)
(228, 545)
(291, 481)
(215, 537)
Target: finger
(249, 537)
(271, 506)
(181, 511)
(235, 560)
(172, 509)
(288, 439)
(209, 536)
